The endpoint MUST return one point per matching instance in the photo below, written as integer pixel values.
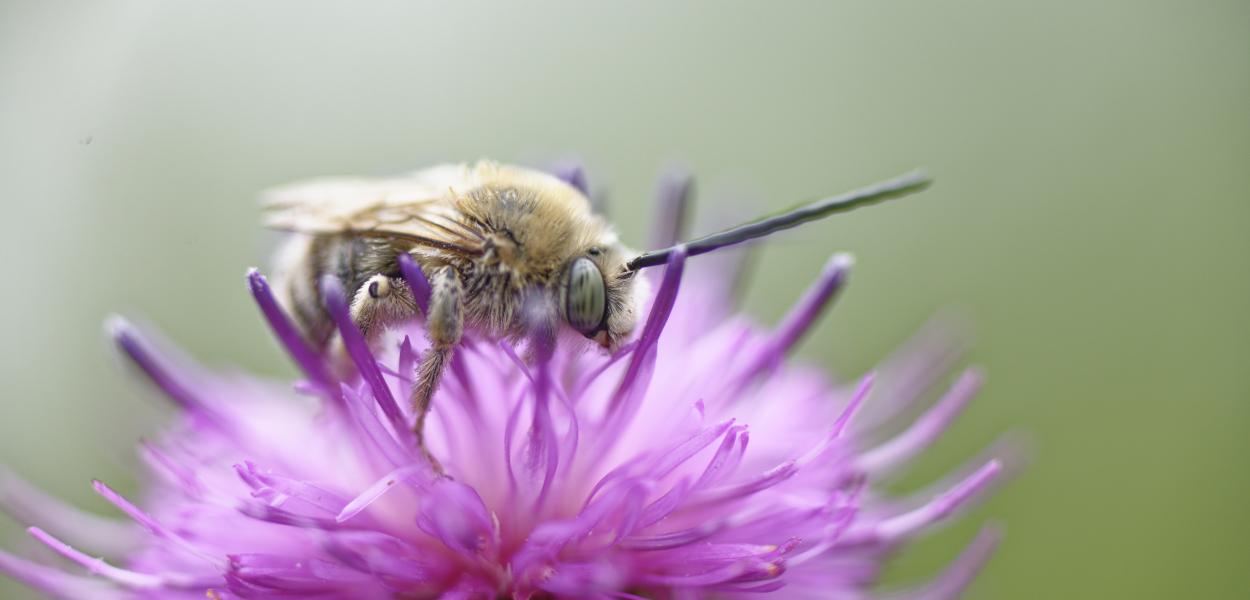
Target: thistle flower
(698, 461)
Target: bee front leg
(444, 325)
(378, 303)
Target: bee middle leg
(444, 325)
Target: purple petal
(29, 505)
(852, 407)
(952, 583)
(906, 524)
(813, 303)
(911, 370)
(288, 335)
(55, 582)
(799, 320)
(97, 566)
(665, 459)
(270, 573)
(336, 304)
(172, 383)
(279, 516)
(288, 493)
(672, 210)
(469, 588)
(925, 430)
(398, 565)
(759, 483)
(454, 514)
(180, 476)
(418, 283)
(151, 525)
(380, 488)
(675, 539)
(678, 455)
(372, 431)
(661, 308)
(726, 459)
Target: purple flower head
(697, 461)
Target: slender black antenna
(899, 186)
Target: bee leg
(381, 301)
(444, 324)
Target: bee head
(596, 295)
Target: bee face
(597, 295)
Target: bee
(492, 239)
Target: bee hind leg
(444, 325)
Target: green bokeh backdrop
(1090, 217)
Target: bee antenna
(902, 185)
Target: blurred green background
(1090, 217)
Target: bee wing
(420, 208)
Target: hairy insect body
(495, 242)
(508, 235)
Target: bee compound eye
(585, 300)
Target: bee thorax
(502, 248)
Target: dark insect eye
(585, 297)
